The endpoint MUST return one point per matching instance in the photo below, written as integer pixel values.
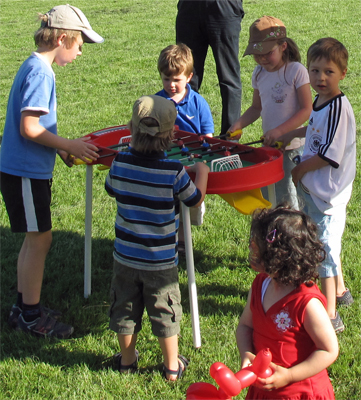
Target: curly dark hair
(289, 245)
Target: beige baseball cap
(263, 34)
(160, 109)
(69, 17)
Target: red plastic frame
(267, 168)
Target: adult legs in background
(190, 30)
(224, 41)
(217, 24)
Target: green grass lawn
(96, 91)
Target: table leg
(192, 288)
(88, 230)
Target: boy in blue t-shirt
(175, 65)
(29, 146)
(148, 187)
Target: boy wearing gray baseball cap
(29, 146)
(148, 188)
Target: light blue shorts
(331, 228)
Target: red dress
(281, 330)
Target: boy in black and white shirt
(328, 165)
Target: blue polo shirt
(194, 114)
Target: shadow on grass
(63, 289)
(222, 296)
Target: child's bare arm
(249, 116)
(287, 137)
(201, 170)
(318, 325)
(31, 129)
(311, 164)
(244, 334)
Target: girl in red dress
(285, 310)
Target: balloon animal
(230, 384)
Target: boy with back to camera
(328, 166)
(29, 146)
(148, 187)
(175, 65)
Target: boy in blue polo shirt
(28, 150)
(148, 188)
(175, 65)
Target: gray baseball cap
(160, 109)
(70, 17)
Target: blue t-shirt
(147, 189)
(194, 114)
(33, 89)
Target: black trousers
(214, 23)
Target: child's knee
(39, 241)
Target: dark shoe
(45, 326)
(182, 366)
(337, 323)
(345, 299)
(16, 311)
(14, 316)
(131, 368)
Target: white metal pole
(192, 288)
(88, 230)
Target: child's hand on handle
(276, 144)
(285, 139)
(83, 150)
(235, 131)
(271, 136)
(234, 135)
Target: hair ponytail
(292, 52)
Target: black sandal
(131, 368)
(182, 361)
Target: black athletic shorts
(27, 202)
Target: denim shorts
(158, 292)
(331, 228)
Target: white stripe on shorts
(30, 216)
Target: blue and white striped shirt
(147, 189)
